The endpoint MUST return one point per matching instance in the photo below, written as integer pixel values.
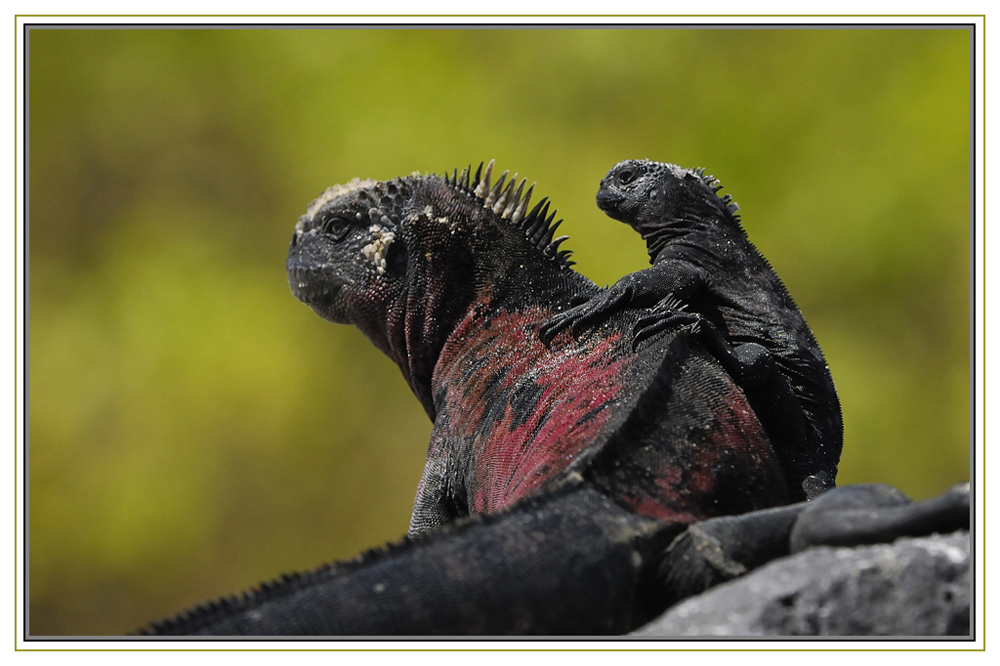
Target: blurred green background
(194, 429)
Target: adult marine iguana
(559, 481)
(703, 261)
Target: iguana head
(404, 259)
(645, 194)
(342, 255)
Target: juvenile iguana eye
(627, 176)
(337, 227)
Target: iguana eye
(337, 227)
(627, 176)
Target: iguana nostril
(607, 198)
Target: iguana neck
(453, 270)
(696, 235)
(413, 324)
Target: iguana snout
(346, 249)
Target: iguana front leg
(642, 289)
(438, 501)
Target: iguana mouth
(313, 286)
(312, 277)
(608, 200)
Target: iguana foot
(582, 316)
(669, 312)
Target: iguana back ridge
(509, 203)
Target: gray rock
(913, 587)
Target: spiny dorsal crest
(510, 202)
(712, 183)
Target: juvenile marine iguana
(702, 261)
(579, 464)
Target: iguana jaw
(312, 281)
(318, 279)
(608, 201)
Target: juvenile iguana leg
(641, 289)
(668, 313)
(749, 364)
(612, 299)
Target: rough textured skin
(703, 262)
(465, 579)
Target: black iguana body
(560, 482)
(702, 260)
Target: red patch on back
(513, 415)
(733, 459)
(527, 411)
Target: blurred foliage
(194, 429)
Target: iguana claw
(581, 317)
(668, 313)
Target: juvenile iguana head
(643, 193)
(405, 259)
